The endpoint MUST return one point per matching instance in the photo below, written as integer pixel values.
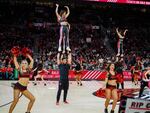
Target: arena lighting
(142, 2)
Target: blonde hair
(27, 65)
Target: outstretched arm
(31, 61)
(56, 11)
(16, 62)
(69, 58)
(68, 11)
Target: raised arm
(120, 36)
(125, 32)
(31, 61)
(68, 11)
(69, 58)
(16, 62)
(56, 11)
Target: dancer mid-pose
(78, 73)
(120, 42)
(64, 67)
(145, 81)
(39, 73)
(120, 76)
(135, 74)
(64, 29)
(111, 88)
(21, 86)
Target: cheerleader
(78, 73)
(64, 29)
(145, 81)
(21, 86)
(39, 73)
(134, 74)
(120, 77)
(111, 88)
(120, 42)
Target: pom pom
(119, 78)
(26, 51)
(15, 50)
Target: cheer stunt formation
(114, 77)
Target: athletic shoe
(121, 55)
(68, 49)
(118, 54)
(66, 102)
(59, 49)
(112, 111)
(106, 110)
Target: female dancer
(64, 29)
(145, 81)
(78, 72)
(119, 74)
(134, 74)
(38, 73)
(111, 87)
(21, 86)
(120, 42)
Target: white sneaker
(118, 54)
(59, 49)
(68, 49)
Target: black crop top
(111, 77)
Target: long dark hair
(108, 67)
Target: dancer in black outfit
(78, 73)
(64, 67)
(145, 81)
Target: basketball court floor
(80, 98)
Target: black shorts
(20, 87)
(111, 87)
(64, 84)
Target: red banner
(143, 2)
(87, 75)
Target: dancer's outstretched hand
(57, 5)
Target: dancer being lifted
(120, 42)
(64, 28)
